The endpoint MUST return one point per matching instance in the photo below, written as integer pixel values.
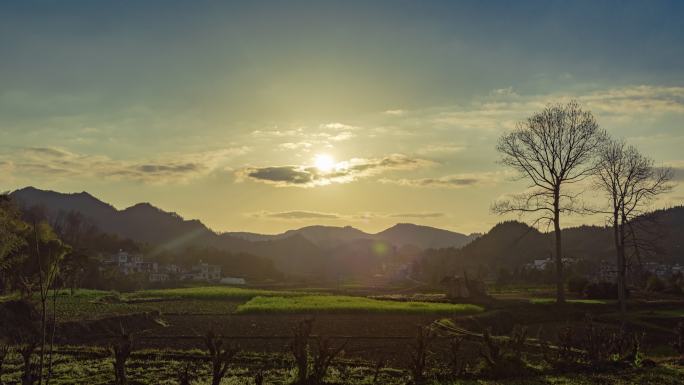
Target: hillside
(512, 244)
(426, 237)
(305, 251)
(399, 235)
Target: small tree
(456, 362)
(678, 343)
(630, 180)
(552, 149)
(11, 240)
(419, 354)
(29, 371)
(220, 354)
(185, 375)
(121, 350)
(300, 349)
(312, 364)
(323, 356)
(4, 352)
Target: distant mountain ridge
(401, 234)
(512, 244)
(306, 250)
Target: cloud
(507, 92)
(296, 215)
(396, 112)
(344, 135)
(441, 148)
(417, 215)
(343, 172)
(637, 99)
(503, 108)
(295, 146)
(53, 162)
(293, 175)
(304, 215)
(338, 126)
(449, 181)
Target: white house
(203, 272)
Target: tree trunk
(621, 265)
(560, 284)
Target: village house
(128, 263)
(203, 272)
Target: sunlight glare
(324, 162)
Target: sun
(324, 162)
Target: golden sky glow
(264, 116)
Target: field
(161, 368)
(347, 304)
(169, 327)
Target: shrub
(673, 289)
(601, 290)
(577, 284)
(655, 284)
(593, 346)
(322, 358)
(503, 357)
(121, 350)
(678, 343)
(30, 369)
(300, 348)
(220, 354)
(4, 351)
(457, 364)
(185, 375)
(419, 353)
(312, 364)
(259, 377)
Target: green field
(546, 301)
(93, 304)
(212, 292)
(345, 304)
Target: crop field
(161, 367)
(376, 328)
(212, 292)
(347, 304)
(94, 304)
(551, 301)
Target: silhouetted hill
(306, 251)
(422, 236)
(169, 231)
(324, 236)
(402, 234)
(512, 244)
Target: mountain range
(335, 251)
(512, 244)
(308, 250)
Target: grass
(84, 304)
(547, 301)
(212, 293)
(160, 367)
(345, 304)
(669, 313)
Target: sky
(270, 115)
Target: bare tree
(631, 181)
(221, 355)
(551, 149)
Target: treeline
(511, 245)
